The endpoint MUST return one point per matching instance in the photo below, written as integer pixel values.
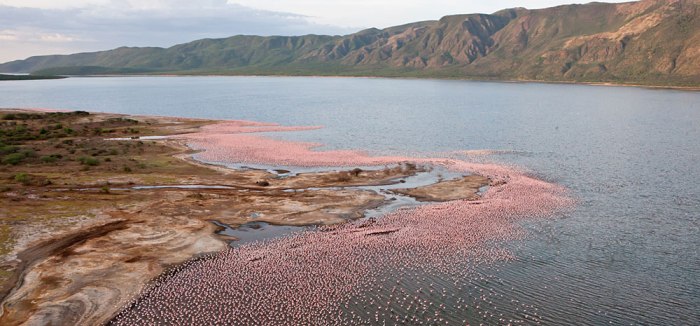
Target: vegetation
(72, 141)
(89, 70)
(91, 161)
(22, 178)
(47, 160)
(13, 158)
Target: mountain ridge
(649, 42)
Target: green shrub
(7, 149)
(28, 152)
(22, 178)
(49, 158)
(13, 159)
(90, 161)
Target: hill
(653, 42)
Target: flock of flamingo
(414, 266)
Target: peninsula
(95, 206)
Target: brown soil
(464, 188)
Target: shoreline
(428, 236)
(474, 79)
(175, 218)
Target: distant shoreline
(493, 80)
(4, 77)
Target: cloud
(36, 36)
(56, 37)
(8, 35)
(385, 13)
(109, 24)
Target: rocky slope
(647, 42)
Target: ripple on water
(414, 264)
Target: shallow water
(628, 252)
(258, 231)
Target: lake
(626, 254)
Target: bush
(90, 161)
(28, 152)
(7, 149)
(50, 158)
(13, 159)
(22, 178)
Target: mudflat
(96, 206)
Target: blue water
(627, 254)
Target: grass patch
(13, 159)
(89, 161)
(22, 178)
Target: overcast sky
(37, 27)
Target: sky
(40, 27)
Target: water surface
(627, 254)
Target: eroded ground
(79, 238)
(466, 187)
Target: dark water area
(257, 231)
(626, 254)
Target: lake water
(627, 254)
